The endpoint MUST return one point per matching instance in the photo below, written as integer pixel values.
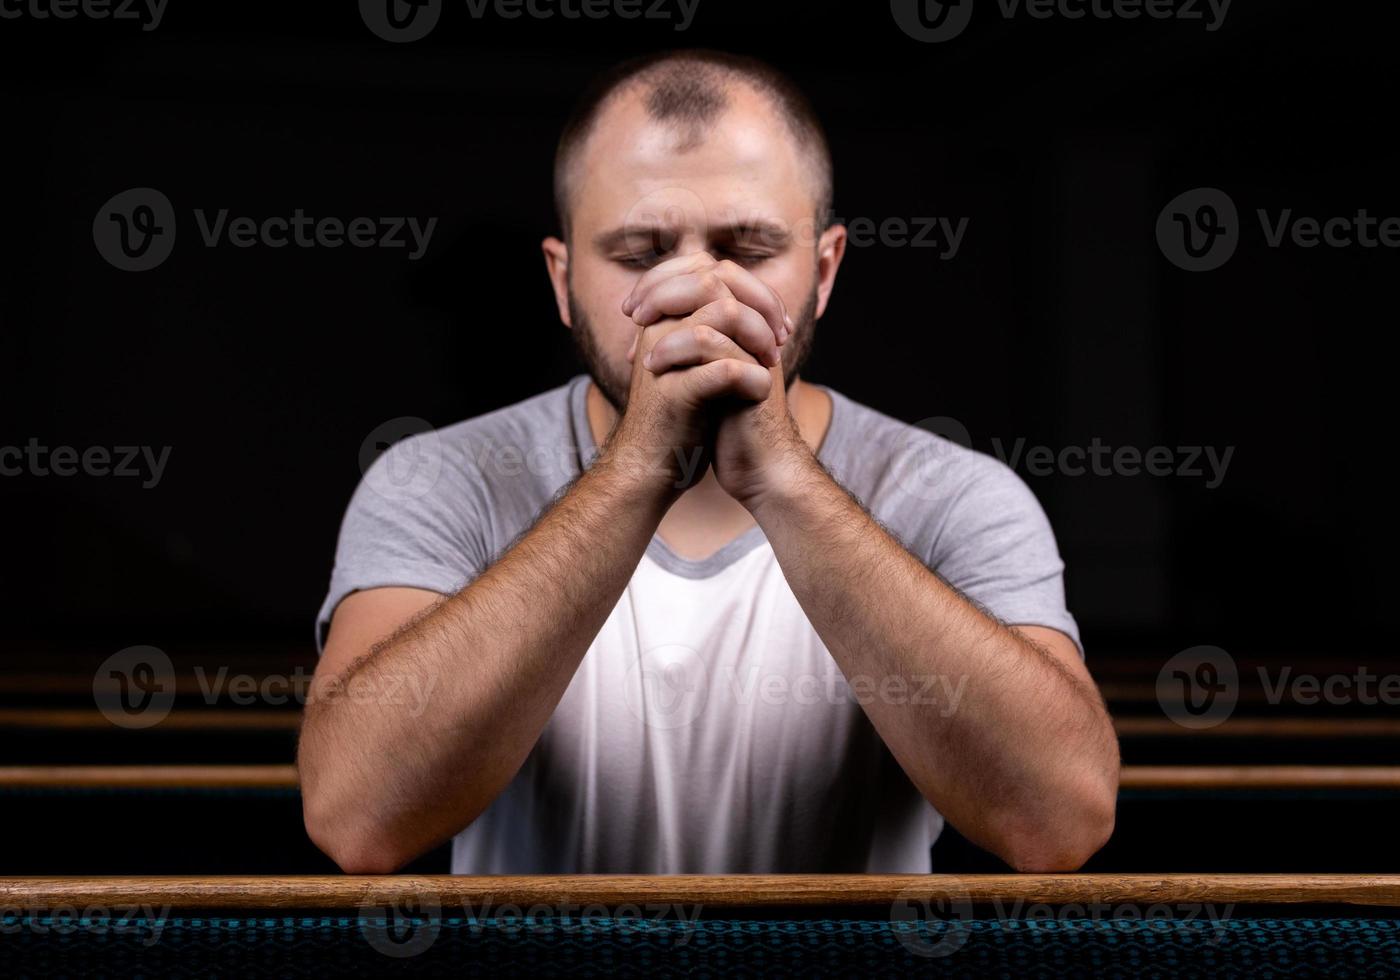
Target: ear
(556, 261)
(830, 250)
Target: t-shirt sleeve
(415, 521)
(996, 546)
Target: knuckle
(701, 380)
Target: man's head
(683, 152)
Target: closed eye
(643, 260)
(743, 256)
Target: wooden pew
(716, 892)
(636, 925)
(1203, 778)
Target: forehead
(745, 162)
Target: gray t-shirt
(707, 729)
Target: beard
(614, 380)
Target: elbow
(1081, 825)
(362, 858)
(355, 844)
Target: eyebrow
(769, 232)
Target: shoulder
(927, 464)
(523, 450)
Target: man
(694, 649)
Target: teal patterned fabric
(320, 946)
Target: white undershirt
(707, 730)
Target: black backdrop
(1059, 321)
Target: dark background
(1059, 321)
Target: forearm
(394, 779)
(1022, 758)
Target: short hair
(689, 89)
